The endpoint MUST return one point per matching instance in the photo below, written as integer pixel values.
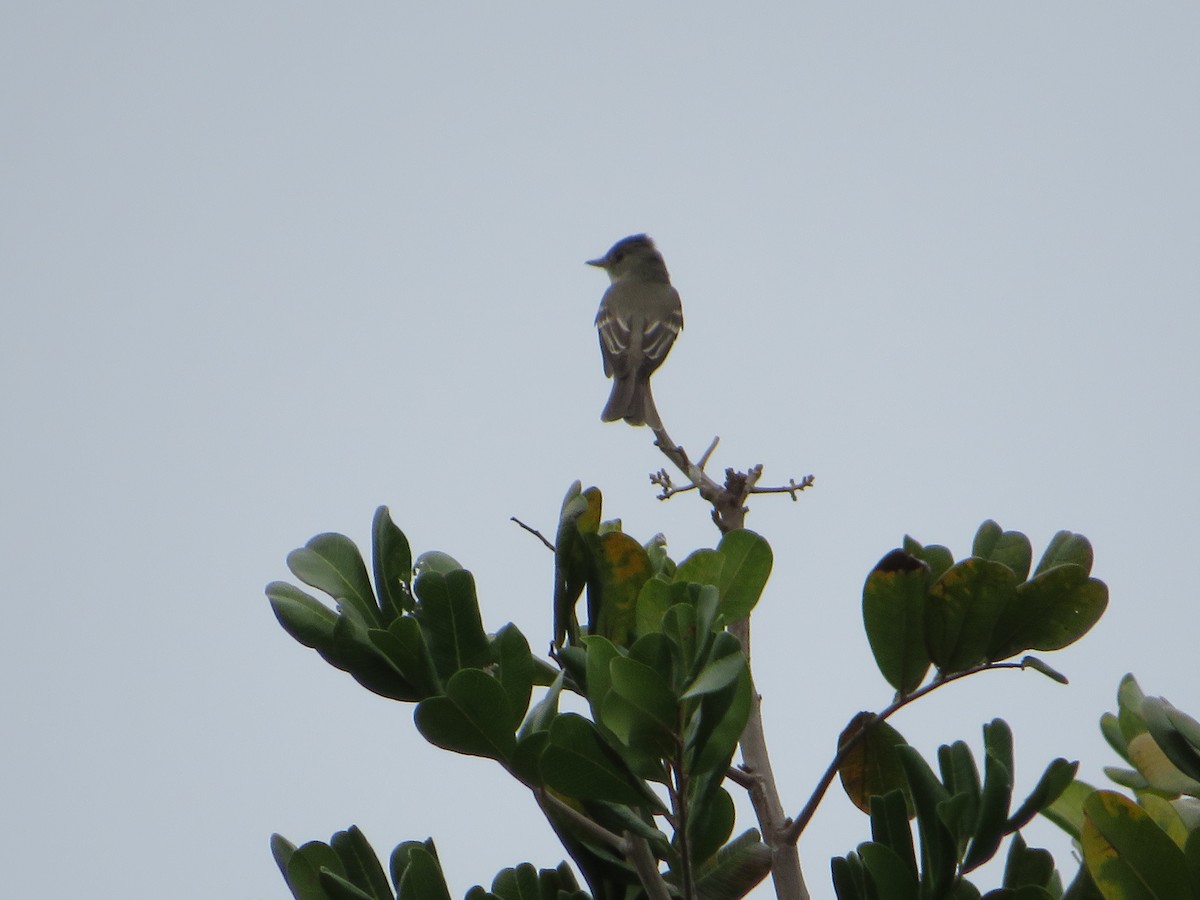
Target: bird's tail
(632, 401)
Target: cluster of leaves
(667, 687)
(635, 790)
(923, 609)
(346, 869)
(1148, 846)
(961, 820)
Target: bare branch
(790, 488)
(741, 777)
(534, 532)
(663, 479)
(728, 500)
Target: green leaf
(282, 850)
(304, 869)
(526, 763)
(1067, 811)
(1010, 548)
(401, 855)
(580, 513)
(392, 560)
(302, 616)
(403, 644)
(1032, 662)
(579, 763)
(993, 813)
(701, 567)
(355, 652)
(963, 608)
(515, 671)
(938, 558)
(1127, 854)
(1169, 727)
(331, 563)
(653, 601)
(710, 826)
(543, 711)
(433, 562)
(474, 717)
(736, 869)
(338, 888)
(937, 843)
(894, 619)
(748, 561)
(1166, 817)
(423, 878)
(1057, 778)
(646, 691)
(620, 567)
(640, 710)
(1066, 548)
(362, 868)
(449, 617)
(717, 726)
(961, 777)
(600, 654)
(1110, 728)
(892, 877)
(716, 676)
(872, 767)
(849, 878)
(679, 626)
(1053, 610)
(1191, 853)
(1026, 866)
(889, 825)
(1159, 772)
(660, 562)
(520, 883)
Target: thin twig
(534, 532)
(790, 488)
(797, 826)
(741, 777)
(727, 500)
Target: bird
(639, 318)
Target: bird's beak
(598, 263)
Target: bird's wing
(660, 328)
(620, 338)
(657, 338)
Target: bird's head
(633, 257)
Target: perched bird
(638, 320)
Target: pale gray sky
(267, 265)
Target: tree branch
(728, 500)
(729, 510)
(537, 534)
(797, 826)
(786, 872)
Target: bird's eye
(618, 255)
